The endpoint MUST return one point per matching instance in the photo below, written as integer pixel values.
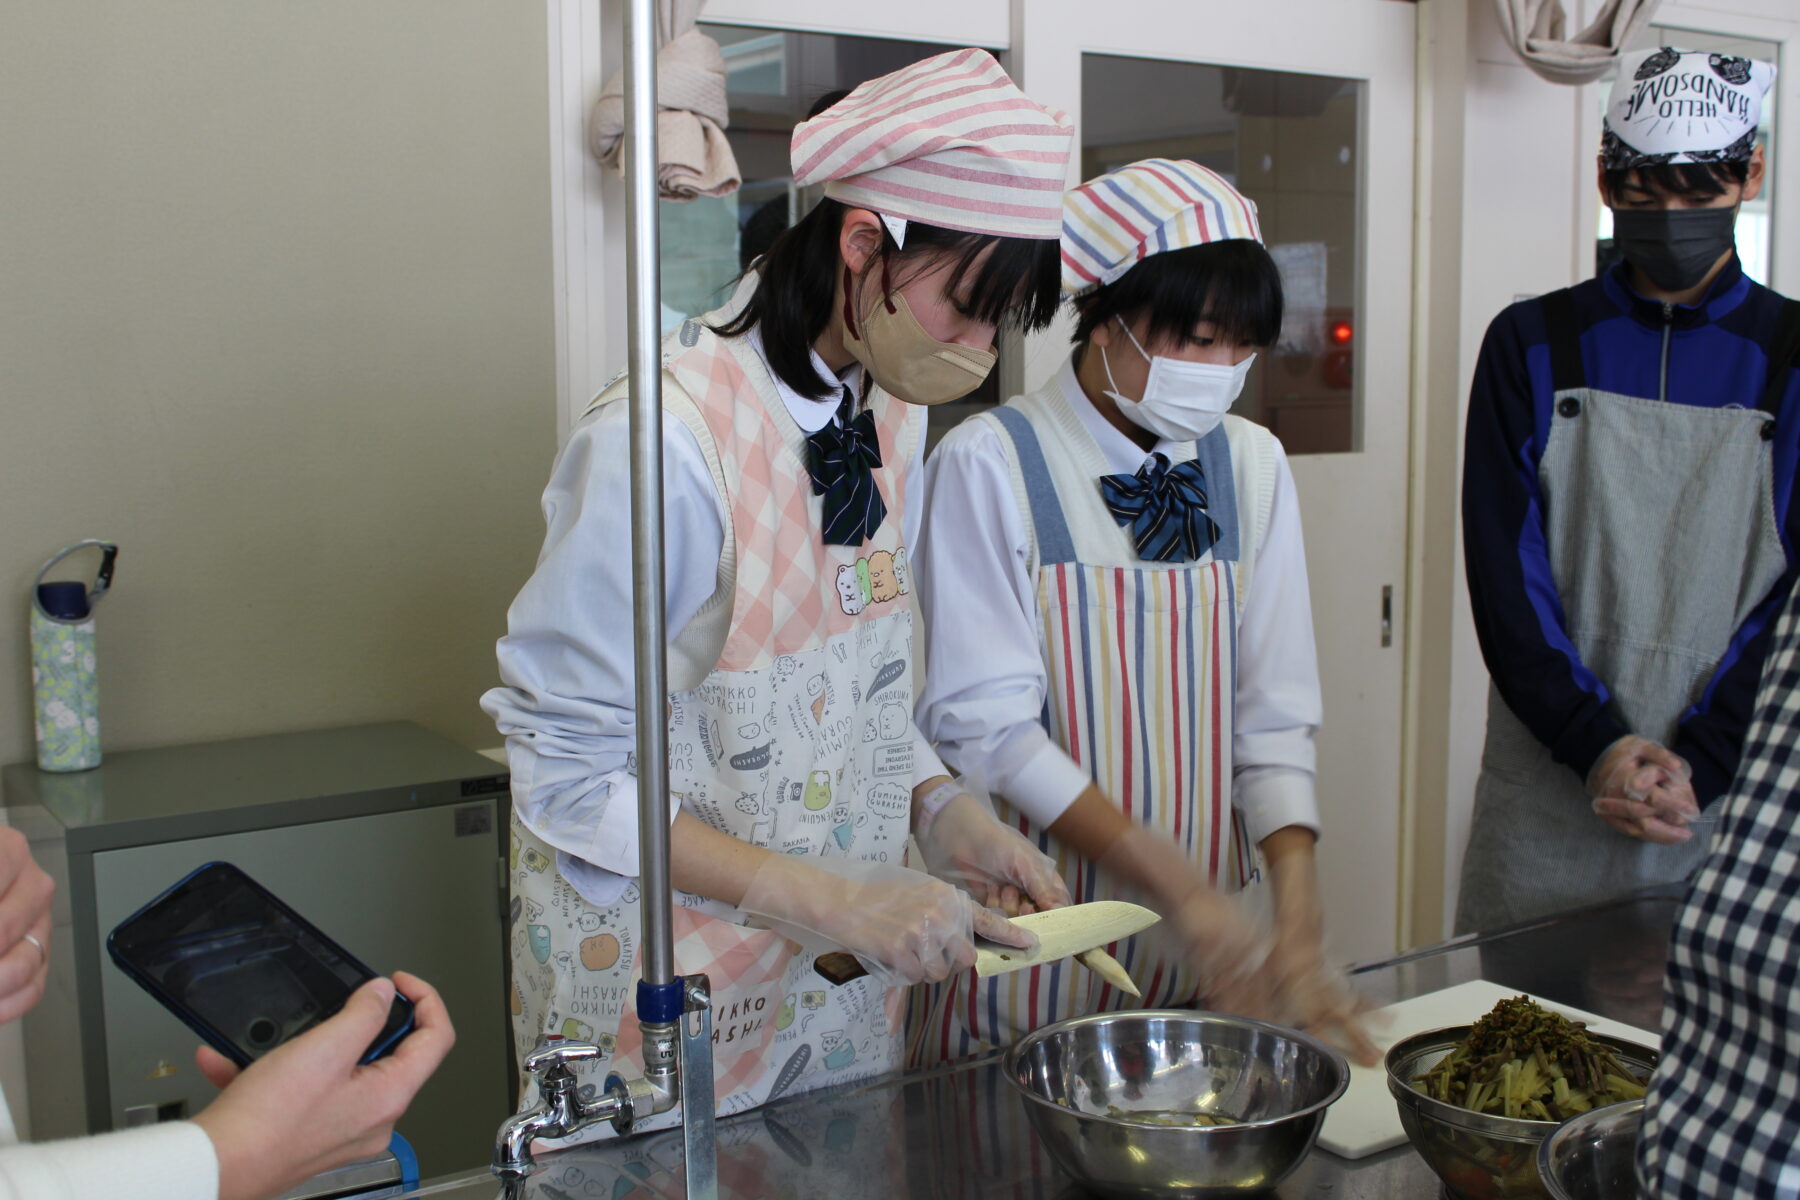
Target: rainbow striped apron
(1142, 669)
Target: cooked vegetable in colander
(1521, 1061)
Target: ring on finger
(43, 954)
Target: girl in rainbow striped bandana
(1121, 640)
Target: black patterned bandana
(1672, 106)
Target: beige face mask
(902, 358)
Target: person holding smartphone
(305, 1107)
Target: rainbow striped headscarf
(1112, 223)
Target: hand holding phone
(311, 1105)
(240, 968)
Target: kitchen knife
(1061, 932)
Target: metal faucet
(671, 1049)
(674, 1013)
(560, 1111)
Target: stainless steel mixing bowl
(1594, 1156)
(1275, 1083)
(1478, 1156)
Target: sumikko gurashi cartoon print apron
(799, 740)
(1141, 660)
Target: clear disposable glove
(964, 843)
(1312, 995)
(904, 926)
(1232, 951)
(1308, 992)
(1223, 942)
(1644, 790)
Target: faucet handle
(552, 1054)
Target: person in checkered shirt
(1723, 1114)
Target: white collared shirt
(567, 709)
(174, 1160)
(985, 682)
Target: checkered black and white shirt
(1723, 1114)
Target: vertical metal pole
(644, 325)
(666, 1057)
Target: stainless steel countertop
(958, 1133)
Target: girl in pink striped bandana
(792, 450)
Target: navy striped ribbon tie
(841, 459)
(1164, 507)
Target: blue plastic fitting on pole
(660, 1003)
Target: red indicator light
(1340, 333)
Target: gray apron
(1659, 522)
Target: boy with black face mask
(1629, 514)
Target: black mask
(1675, 247)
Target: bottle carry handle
(109, 554)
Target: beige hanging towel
(692, 111)
(1538, 30)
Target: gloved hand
(964, 843)
(903, 925)
(1232, 952)
(1309, 993)
(1227, 947)
(1644, 790)
(1312, 995)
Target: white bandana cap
(1683, 106)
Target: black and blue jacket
(1715, 353)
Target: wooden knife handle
(839, 967)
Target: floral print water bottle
(64, 681)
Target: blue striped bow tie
(1164, 507)
(841, 459)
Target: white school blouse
(567, 708)
(985, 680)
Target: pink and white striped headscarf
(950, 141)
(1112, 223)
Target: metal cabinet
(387, 837)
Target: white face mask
(1182, 401)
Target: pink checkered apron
(800, 740)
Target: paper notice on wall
(1302, 267)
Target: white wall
(275, 314)
(1522, 189)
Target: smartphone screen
(241, 968)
